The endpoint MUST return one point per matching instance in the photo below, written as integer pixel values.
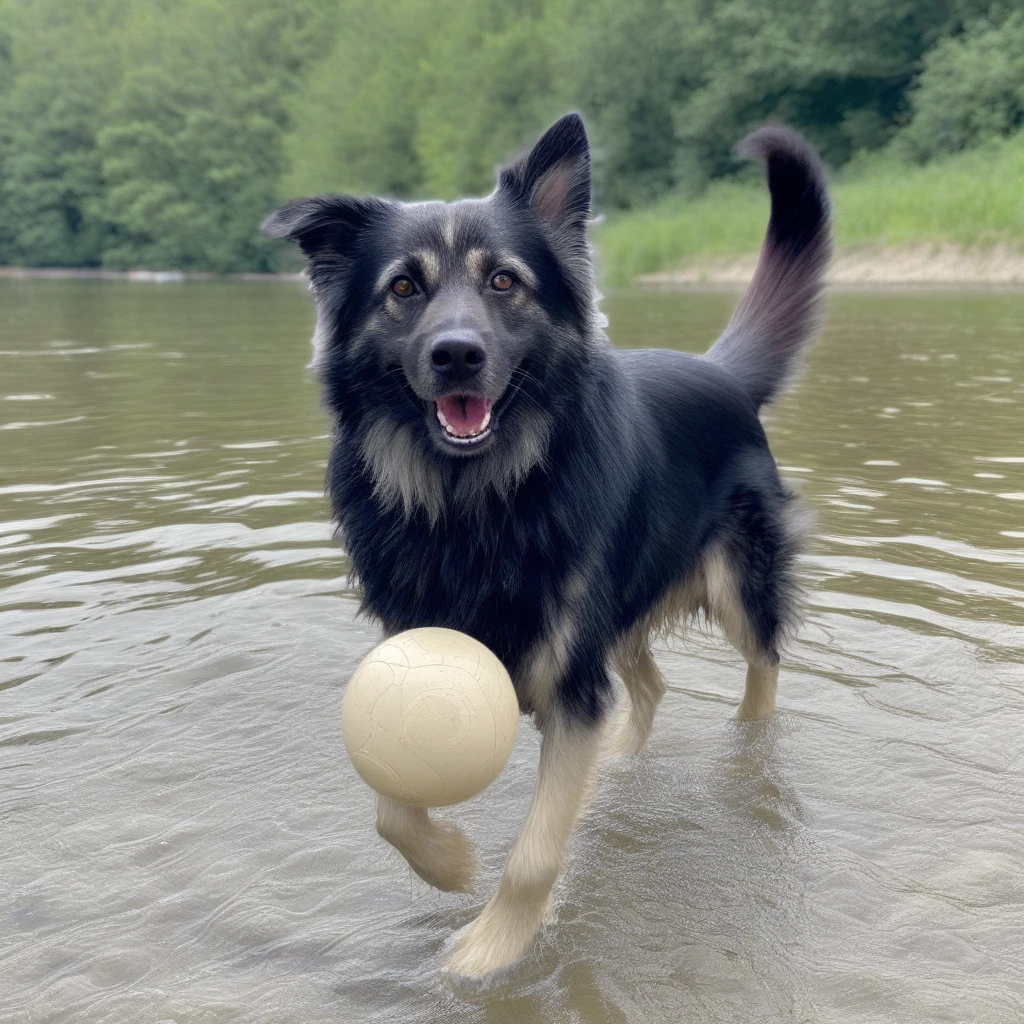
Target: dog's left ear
(553, 179)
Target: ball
(430, 717)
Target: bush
(971, 90)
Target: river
(182, 837)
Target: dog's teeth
(464, 438)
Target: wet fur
(623, 492)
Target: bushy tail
(780, 310)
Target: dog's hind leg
(752, 620)
(759, 692)
(645, 686)
(505, 929)
(436, 850)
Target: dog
(498, 468)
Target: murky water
(183, 839)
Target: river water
(183, 839)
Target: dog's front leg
(436, 850)
(505, 929)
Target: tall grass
(971, 199)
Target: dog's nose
(457, 355)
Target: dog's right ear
(323, 225)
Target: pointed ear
(553, 179)
(323, 225)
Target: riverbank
(959, 221)
(148, 276)
(948, 266)
(867, 266)
(950, 223)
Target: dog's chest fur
(500, 571)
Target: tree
(50, 178)
(970, 90)
(192, 161)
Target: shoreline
(871, 266)
(864, 266)
(144, 276)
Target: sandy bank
(936, 265)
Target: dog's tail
(780, 310)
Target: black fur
(608, 476)
(779, 313)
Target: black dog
(498, 468)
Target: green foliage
(971, 89)
(188, 159)
(425, 97)
(147, 135)
(419, 98)
(972, 198)
(50, 175)
(158, 134)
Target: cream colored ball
(430, 717)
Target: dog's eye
(403, 287)
(501, 282)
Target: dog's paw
(491, 942)
(753, 712)
(445, 859)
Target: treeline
(156, 134)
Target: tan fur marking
(321, 339)
(430, 264)
(725, 606)
(546, 666)
(549, 659)
(476, 263)
(403, 475)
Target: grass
(973, 199)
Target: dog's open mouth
(465, 419)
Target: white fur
(437, 851)
(505, 929)
(406, 476)
(401, 475)
(321, 340)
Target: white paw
(494, 940)
(445, 859)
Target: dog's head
(446, 320)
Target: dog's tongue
(465, 414)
